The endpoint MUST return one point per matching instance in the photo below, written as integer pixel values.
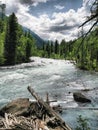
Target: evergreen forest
(17, 46)
(83, 51)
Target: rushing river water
(57, 77)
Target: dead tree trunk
(49, 109)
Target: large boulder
(18, 107)
(79, 97)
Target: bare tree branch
(94, 14)
(92, 17)
(91, 28)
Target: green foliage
(86, 52)
(2, 35)
(28, 49)
(56, 47)
(11, 40)
(82, 124)
(16, 46)
(1, 26)
(51, 50)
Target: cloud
(14, 5)
(26, 1)
(33, 2)
(59, 7)
(11, 6)
(61, 25)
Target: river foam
(59, 78)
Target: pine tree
(11, 40)
(62, 47)
(28, 50)
(1, 26)
(44, 47)
(48, 49)
(56, 47)
(52, 47)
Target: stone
(18, 107)
(79, 97)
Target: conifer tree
(48, 49)
(28, 50)
(56, 47)
(11, 40)
(52, 47)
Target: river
(60, 79)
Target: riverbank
(34, 62)
(21, 114)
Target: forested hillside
(83, 51)
(16, 46)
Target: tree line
(84, 52)
(16, 46)
(57, 50)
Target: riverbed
(60, 79)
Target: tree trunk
(49, 109)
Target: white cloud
(87, 2)
(39, 0)
(45, 27)
(35, 2)
(59, 7)
(11, 6)
(60, 26)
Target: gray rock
(18, 107)
(79, 97)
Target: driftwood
(12, 122)
(61, 123)
(32, 122)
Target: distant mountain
(39, 40)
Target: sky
(51, 19)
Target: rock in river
(18, 107)
(79, 97)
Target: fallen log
(49, 109)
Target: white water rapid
(60, 79)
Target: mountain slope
(39, 41)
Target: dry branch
(49, 109)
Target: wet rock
(18, 107)
(86, 90)
(79, 97)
